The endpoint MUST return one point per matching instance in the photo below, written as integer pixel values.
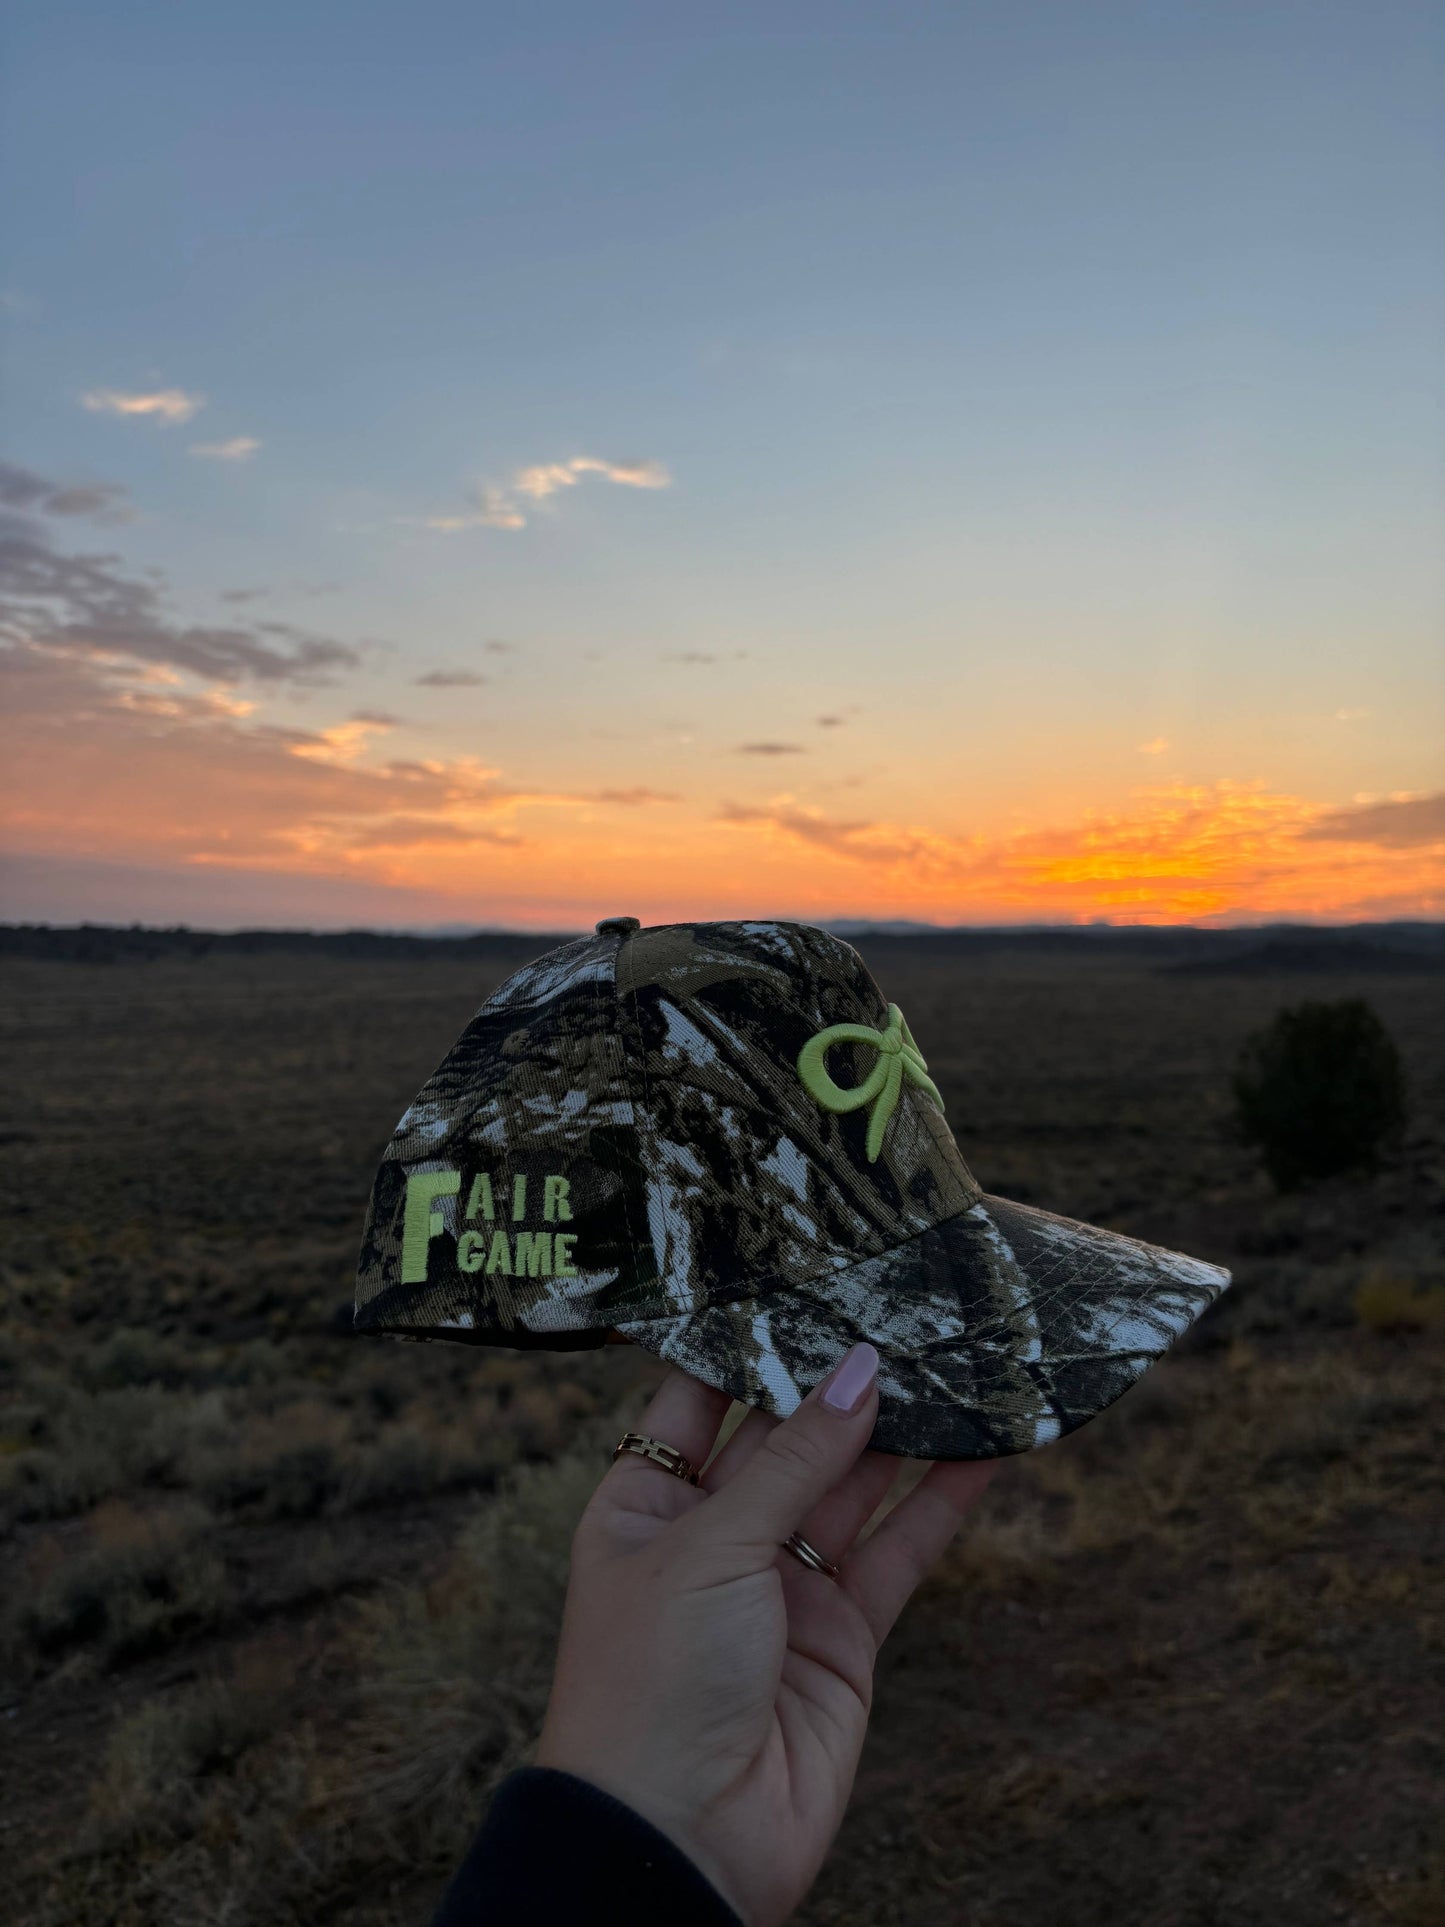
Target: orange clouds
(135, 763)
(126, 740)
(128, 764)
(123, 762)
(1176, 854)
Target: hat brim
(998, 1330)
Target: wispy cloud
(20, 488)
(507, 506)
(1156, 746)
(87, 604)
(261, 591)
(450, 679)
(632, 797)
(545, 478)
(168, 406)
(150, 689)
(492, 508)
(240, 448)
(347, 742)
(422, 832)
(770, 749)
(1397, 823)
(859, 840)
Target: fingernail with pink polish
(848, 1387)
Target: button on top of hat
(618, 926)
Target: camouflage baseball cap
(720, 1140)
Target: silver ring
(809, 1555)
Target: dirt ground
(278, 1602)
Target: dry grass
(232, 1800)
(138, 1581)
(1411, 1897)
(1388, 1301)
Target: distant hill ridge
(136, 943)
(1341, 951)
(1284, 948)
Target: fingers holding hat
(682, 1413)
(835, 1522)
(794, 1466)
(734, 1454)
(885, 1571)
(837, 1519)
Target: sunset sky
(512, 466)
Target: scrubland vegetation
(278, 1603)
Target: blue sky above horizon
(1049, 396)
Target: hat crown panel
(531, 1114)
(752, 1186)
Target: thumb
(799, 1462)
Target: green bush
(1320, 1090)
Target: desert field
(278, 1601)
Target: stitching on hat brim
(1092, 1278)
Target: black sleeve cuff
(556, 1851)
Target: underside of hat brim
(998, 1330)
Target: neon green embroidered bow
(898, 1057)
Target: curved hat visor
(998, 1330)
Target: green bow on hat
(898, 1057)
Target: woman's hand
(707, 1678)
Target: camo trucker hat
(721, 1141)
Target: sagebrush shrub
(142, 1580)
(1391, 1301)
(1321, 1091)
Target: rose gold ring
(809, 1555)
(667, 1456)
